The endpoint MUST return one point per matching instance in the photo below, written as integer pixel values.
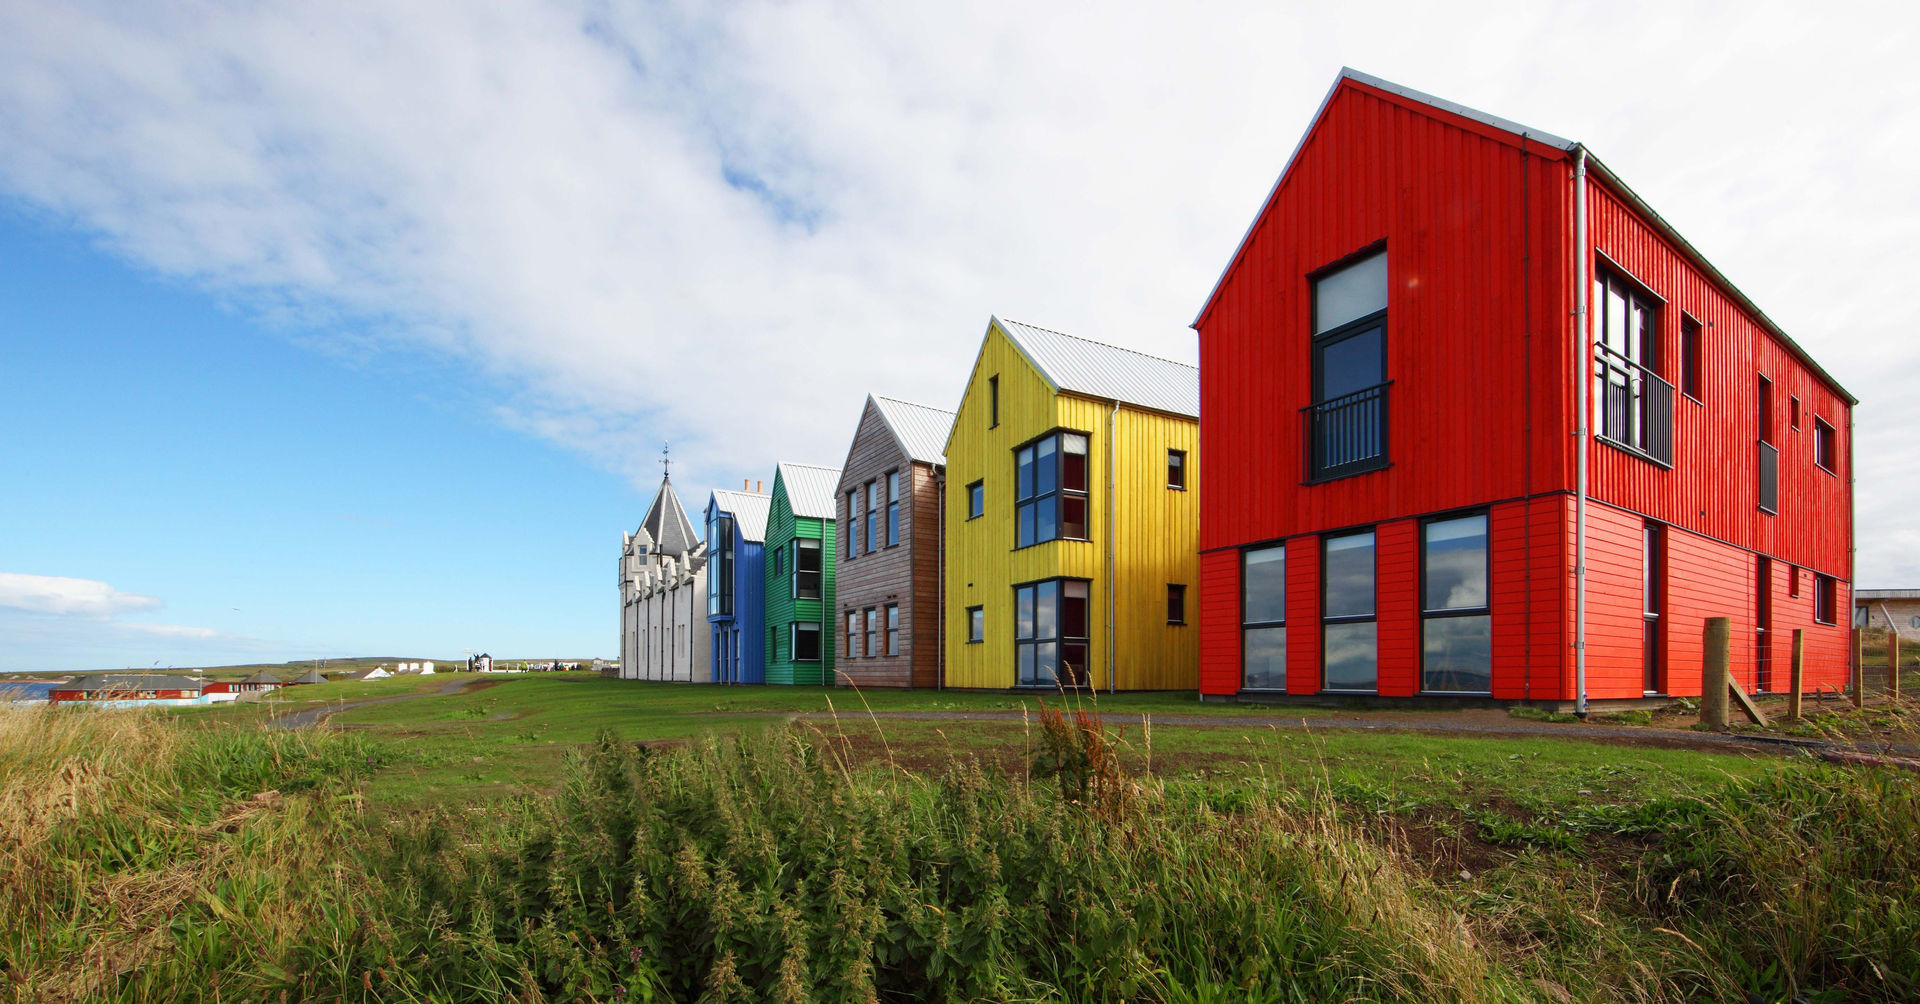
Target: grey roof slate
(1097, 369)
(810, 489)
(261, 676)
(667, 523)
(310, 676)
(922, 431)
(131, 681)
(749, 512)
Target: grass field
(564, 837)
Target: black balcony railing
(1347, 434)
(1769, 477)
(1634, 406)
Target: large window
(1263, 612)
(873, 632)
(1456, 624)
(853, 523)
(1051, 489)
(1347, 421)
(806, 641)
(720, 566)
(893, 629)
(806, 569)
(976, 499)
(1349, 632)
(893, 508)
(1825, 448)
(1633, 405)
(1050, 633)
(873, 516)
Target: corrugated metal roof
(810, 489)
(131, 681)
(1097, 369)
(922, 431)
(749, 512)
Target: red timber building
(1394, 369)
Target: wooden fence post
(1713, 674)
(1798, 674)
(1859, 666)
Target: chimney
(743, 484)
(757, 489)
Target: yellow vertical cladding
(1156, 544)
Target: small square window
(1177, 469)
(1176, 603)
(976, 625)
(976, 499)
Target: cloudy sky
(356, 327)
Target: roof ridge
(1095, 341)
(817, 467)
(927, 407)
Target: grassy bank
(152, 858)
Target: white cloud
(724, 224)
(50, 594)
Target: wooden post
(1893, 660)
(1859, 666)
(1798, 674)
(1713, 674)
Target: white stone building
(663, 596)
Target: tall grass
(144, 861)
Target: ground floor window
(1825, 593)
(893, 629)
(873, 632)
(1050, 633)
(1349, 630)
(976, 625)
(1263, 616)
(853, 632)
(806, 642)
(1456, 623)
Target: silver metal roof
(922, 431)
(749, 512)
(1110, 372)
(1872, 595)
(810, 489)
(1548, 139)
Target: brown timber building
(888, 590)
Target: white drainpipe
(1583, 339)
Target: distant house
(376, 673)
(130, 690)
(663, 589)
(259, 681)
(310, 676)
(1896, 609)
(887, 583)
(799, 575)
(736, 584)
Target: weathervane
(666, 462)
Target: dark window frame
(819, 644)
(979, 637)
(1262, 625)
(720, 565)
(1826, 598)
(1319, 342)
(853, 633)
(1059, 640)
(1176, 603)
(870, 619)
(1057, 497)
(818, 572)
(890, 623)
(873, 513)
(853, 524)
(977, 499)
(1326, 620)
(1692, 358)
(892, 479)
(1445, 613)
(1635, 379)
(993, 401)
(1826, 443)
(1177, 470)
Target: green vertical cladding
(783, 610)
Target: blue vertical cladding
(742, 635)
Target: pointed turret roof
(667, 522)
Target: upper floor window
(1347, 421)
(1690, 358)
(1177, 469)
(993, 401)
(893, 508)
(1825, 446)
(1051, 489)
(1793, 411)
(806, 569)
(1768, 462)
(720, 565)
(976, 499)
(873, 516)
(853, 523)
(1633, 405)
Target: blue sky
(356, 327)
(300, 503)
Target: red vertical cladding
(1713, 486)
(1397, 599)
(1705, 579)
(1303, 615)
(1616, 622)
(1219, 609)
(1528, 594)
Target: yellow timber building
(1072, 524)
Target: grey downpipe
(1583, 340)
(1109, 534)
(940, 594)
